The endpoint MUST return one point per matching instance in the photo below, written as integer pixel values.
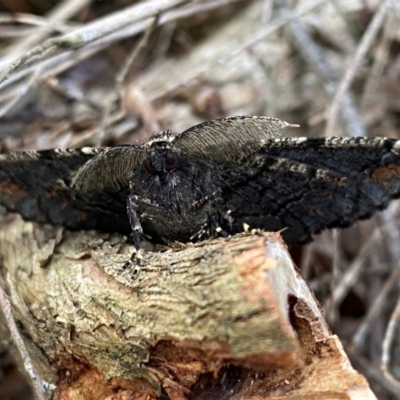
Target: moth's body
(174, 205)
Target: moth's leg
(205, 200)
(213, 222)
(211, 226)
(131, 208)
(225, 215)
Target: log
(213, 319)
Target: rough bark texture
(212, 320)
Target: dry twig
(37, 384)
(390, 340)
(365, 44)
(317, 62)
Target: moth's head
(161, 159)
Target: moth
(212, 179)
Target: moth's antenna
(292, 125)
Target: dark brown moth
(208, 180)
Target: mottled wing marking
(110, 169)
(304, 185)
(228, 139)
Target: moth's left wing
(304, 185)
(38, 186)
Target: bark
(211, 320)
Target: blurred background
(95, 73)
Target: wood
(218, 317)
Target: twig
(371, 372)
(232, 50)
(312, 54)
(376, 309)
(163, 43)
(61, 12)
(393, 238)
(381, 61)
(331, 307)
(20, 345)
(117, 97)
(364, 46)
(34, 20)
(61, 62)
(390, 337)
(121, 76)
(271, 92)
(306, 258)
(200, 7)
(355, 269)
(392, 235)
(267, 11)
(21, 92)
(94, 31)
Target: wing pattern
(38, 186)
(303, 185)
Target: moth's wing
(218, 140)
(110, 169)
(38, 186)
(304, 185)
(227, 139)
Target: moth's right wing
(109, 169)
(37, 185)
